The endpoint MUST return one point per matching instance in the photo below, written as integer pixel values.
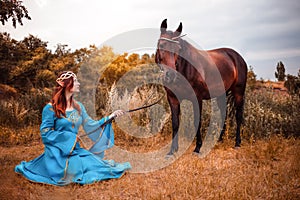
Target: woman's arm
(102, 136)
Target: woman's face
(76, 85)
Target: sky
(264, 32)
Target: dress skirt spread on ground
(63, 160)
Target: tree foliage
(28, 71)
(29, 64)
(251, 78)
(293, 84)
(13, 9)
(10, 54)
(280, 73)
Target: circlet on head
(64, 76)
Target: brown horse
(210, 74)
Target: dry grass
(266, 169)
(267, 166)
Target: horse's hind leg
(239, 105)
(222, 104)
(197, 124)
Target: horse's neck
(196, 61)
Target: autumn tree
(13, 9)
(93, 64)
(10, 54)
(280, 74)
(13, 53)
(145, 59)
(36, 58)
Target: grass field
(264, 169)
(267, 166)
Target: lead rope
(128, 111)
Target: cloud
(271, 54)
(257, 29)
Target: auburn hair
(59, 101)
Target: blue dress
(63, 160)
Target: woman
(63, 160)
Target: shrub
(266, 113)
(25, 110)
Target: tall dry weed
(266, 112)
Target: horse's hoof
(199, 154)
(237, 145)
(197, 150)
(169, 156)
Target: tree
(251, 78)
(31, 43)
(33, 56)
(23, 76)
(20, 61)
(280, 74)
(11, 53)
(13, 9)
(293, 84)
(61, 50)
(7, 56)
(145, 58)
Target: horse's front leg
(197, 124)
(175, 109)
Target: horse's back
(233, 54)
(237, 61)
(240, 65)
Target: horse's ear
(178, 30)
(163, 26)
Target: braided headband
(64, 76)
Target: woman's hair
(59, 101)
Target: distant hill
(274, 85)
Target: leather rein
(128, 111)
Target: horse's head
(167, 52)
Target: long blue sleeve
(103, 138)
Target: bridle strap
(173, 39)
(169, 40)
(180, 36)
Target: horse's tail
(239, 87)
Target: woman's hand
(116, 114)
